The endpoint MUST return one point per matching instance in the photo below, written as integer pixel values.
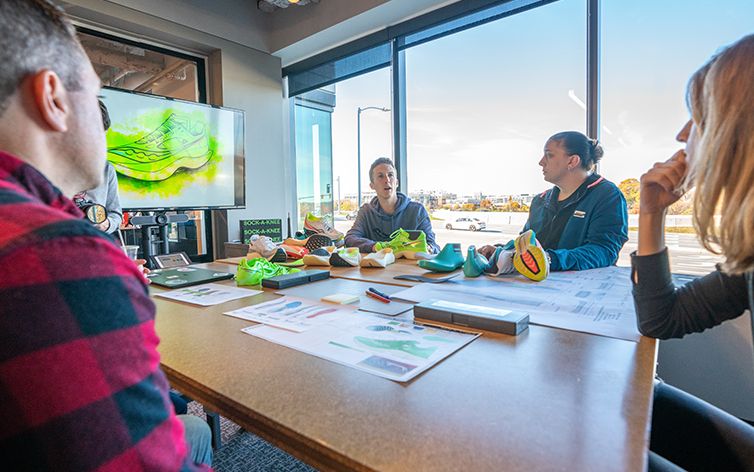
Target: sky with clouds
(482, 103)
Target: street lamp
(358, 149)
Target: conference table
(547, 399)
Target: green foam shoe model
(408, 244)
(475, 263)
(252, 271)
(449, 259)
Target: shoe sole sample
(530, 260)
(376, 259)
(319, 257)
(294, 252)
(313, 260)
(311, 243)
(336, 260)
(413, 255)
(449, 259)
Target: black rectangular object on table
(270, 227)
(180, 277)
(473, 316)
(299, 278)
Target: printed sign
(272, 228)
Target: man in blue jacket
(388, 212)
(581, 222)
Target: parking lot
(686, 254)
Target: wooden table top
(547, 399)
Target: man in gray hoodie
(388, 211)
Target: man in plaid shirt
(80, 383)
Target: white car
(471, 224)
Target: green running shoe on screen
(179, 142)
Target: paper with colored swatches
(293, 313)
(207, 294)
(394, 349)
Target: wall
(250, 81)
(238, 21)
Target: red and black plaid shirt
(80, 383)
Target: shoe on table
(408, 244)
(294, 252)
(531, 259)
(253, 271)
(265, 247)
(319, 257)
(311, 243)
(501, 262)
(346, 257)
(449, 259)
(318, 225)
(475, 263)
(382, 258)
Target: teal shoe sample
(475, 263)
(449, 259)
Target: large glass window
(313, 159)
(480, 105)
(644, 80)
(352, 130)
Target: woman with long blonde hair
(718, 162)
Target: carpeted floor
(243, 451)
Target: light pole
(338, 179)
(358, 149)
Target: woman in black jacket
(719, 163)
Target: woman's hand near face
(659, 190)
(659, 185)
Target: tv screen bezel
(239, 159)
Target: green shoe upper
(449, 259)
(404, 241)
(475, 263)
(252, 271)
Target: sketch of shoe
(180, 142)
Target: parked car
(471, 224)
(351, 215)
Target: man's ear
(51, 99)
(371, 185)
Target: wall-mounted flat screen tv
(170, 154)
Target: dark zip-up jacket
(596, 228)
(372, 224)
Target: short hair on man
(378, 162)
(37, 35)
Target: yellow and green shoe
(408, 244)
(531, 259)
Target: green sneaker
(252, 271)
(449, 259)
(408, 244)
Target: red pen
(377, 297)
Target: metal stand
(156, 244)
